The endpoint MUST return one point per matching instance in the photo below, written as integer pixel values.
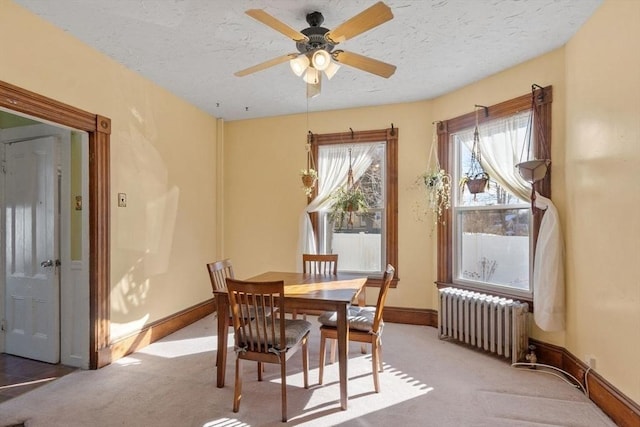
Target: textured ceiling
(193, 47)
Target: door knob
(47, 263)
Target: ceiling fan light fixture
(312, 76)
(321, 59)
(299, 64)
(331, 69)
(315, 46)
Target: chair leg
(375, 364)
(305, 361)
(283, 375)
(260, 370)
(237, 391)
(333, 346)
(380, 355)
(322, 353)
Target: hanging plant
(437, 183)
(309, 178)
(475, 179)
(438, 187)
(346, 201)
(309, 175)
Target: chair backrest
(218, 273)
(320, 263)
(253, 308)
(382, 296)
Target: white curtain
(501, 142)
(548, 270)
(333, 164)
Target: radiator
(494, 324)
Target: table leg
(343, 349)
(222, 307)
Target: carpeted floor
(427, 382)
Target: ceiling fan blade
(276, 24)
(364, 63)
(377, 14)
(266, 64)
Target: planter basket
(476, 186)
(308, 181)
(533, 170)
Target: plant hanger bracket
(433, 151)
(533, 170)
(476, 178)
(350, 172)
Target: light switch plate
(122, 200)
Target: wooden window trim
(543, 100)
(390, 136)
(99, 129)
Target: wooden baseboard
(163, 327)
(155, 331)
(622, 410)
(411, 316)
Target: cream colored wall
(162, 156)
(263, 158)
(601, 211)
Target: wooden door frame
(99, 129)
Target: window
(488, 240)
(365, 242)
(492, 228)
(357, 238)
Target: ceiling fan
(316, 44)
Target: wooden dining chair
(265, 338)
(317, 264)
(320, 263)
(218, 273)
(365, 326)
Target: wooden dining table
(303, 291)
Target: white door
(32, 306)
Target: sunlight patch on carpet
(180, 348)
(225, 422)
(396, 386)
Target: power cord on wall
(577, 383)
(586, 381)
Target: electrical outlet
(590, 360)
(122, 200)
